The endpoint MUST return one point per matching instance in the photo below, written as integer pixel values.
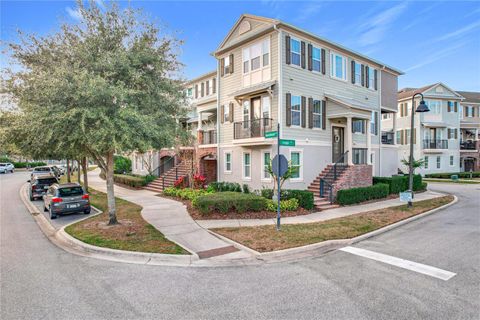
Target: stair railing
(161, 169)
(324, 183)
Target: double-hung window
(295, 51)
(316, 59)
(265, 107)
(317, 114)
(359, 156)
(358, 126)
(256, 56)
(295, 159)
(338, 66)
(226, 66)
(246, 114)
(266, 52)
(371, 78)
(434, 106)
(266, 164)
(246, 165)
(425, 162)
(226, 115)
(439, 162)
(296, 110)
(228, 162)
(451, 161)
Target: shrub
(19, 165)
(448, 175)
(304, 197)
(229, 201)
(199, 181)
(225, 186)
(245, 188)
(185, 194)
(132, 181)
(285, 205)
(399, 184)
(122, 165)
(357, 195)
(180, 183)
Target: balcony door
(256, 115)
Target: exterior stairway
(328, 174)
(169, 177)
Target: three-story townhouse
(322, 95)
(470, 131)
(436, 133)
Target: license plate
(72, 206)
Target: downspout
(280, 78)
(218, 119)
(380, 146)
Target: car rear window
(3, 164)
(47, 181)
(71, 191)
(42, 169)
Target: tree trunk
(85, 175)
(79, 173)
(68, 171)
(110, 192)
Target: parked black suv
(39, 185)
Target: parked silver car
(6, 167)
(66, 198)
(43, 170)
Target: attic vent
(439, 89)
(244, 27)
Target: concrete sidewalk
(317, 216)
(172, 219)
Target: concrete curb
(68, 243)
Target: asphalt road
(41, 281)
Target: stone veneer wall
(355, 176)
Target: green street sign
(271, 134)
(287, 143)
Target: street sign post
(271, 134)
(287, 143)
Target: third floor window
(256, 56)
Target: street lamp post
(422, 107)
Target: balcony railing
(252, 128)
(468, 145)
(209, 137)
(387, 137)
(435, 144)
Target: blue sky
(429, 41)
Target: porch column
(369, 142)
(349, 141)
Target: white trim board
(401, 263)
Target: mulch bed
(196, 215)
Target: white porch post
(199, 121)
(369, 142)
(349, 141)
(394, 116)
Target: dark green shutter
(231, 63)
(310, 57)
(367, 76)
(287, 49)
(310, 113)
(304, 111)
(363, 75)
(324, 114)
(323, 61)
(353, 71)
(288, 109)
(302, 54)
(375, 79)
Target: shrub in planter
(122, 165)
(357, 195)
(225, 186)
(229, 201)
(285, 205)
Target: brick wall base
(355, 176)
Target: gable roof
(470, 96)
(410, 92)
(275, 23)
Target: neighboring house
(436, 133)
(324, 96)
(470, 131)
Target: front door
(337, 143)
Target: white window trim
(450, 162)
(300, 178)
(321, 115)
(291, 111)
(243, 166)
(333, 66)
(319, 48)
(371, 87)
(365, 127)
(358, 82)
(225, 161)
(299, 52)
(438, 162)
(263, 166)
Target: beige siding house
(324, 96)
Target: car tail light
(34, 187)
(85, 196)
(57, 200)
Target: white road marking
(402, 263)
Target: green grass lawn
(267, 238)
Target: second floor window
(296, 110)
(371, 78)
(226, 65)
(295, 51)
(317, 114)
(226, 115)
(316, 59)
(468, 112)
(358, 74)
(189, 92)
(358, 126)
(338, 66)
(435, 106)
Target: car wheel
(52, 215)
(86, 211)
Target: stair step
(326, 207)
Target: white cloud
(437, 55)
(459, 32)
(373, 31)
(74, 13)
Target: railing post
(163, 183)
(321, 187)
(334, 172)
(176, 173)
(331, 195)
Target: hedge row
(304, 197)
(229, 201)
(185, 193)
(475, 174)
(18, 165)
(133, 181)
(228, 186)
(285, 205)
(399, 184)
(357, 195)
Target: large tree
(104, 85)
